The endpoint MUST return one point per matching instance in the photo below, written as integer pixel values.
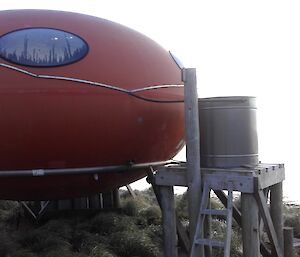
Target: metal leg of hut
(131, 191)
(116, 198)
(108, 200)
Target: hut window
(42, 47)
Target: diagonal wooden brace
(238, 218)
(265, 213)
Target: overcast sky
(238, 47)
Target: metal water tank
(228, 131)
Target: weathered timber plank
(264, 211)
(250, 226)
(271, 176)
(183, 237)
(268, 174)
(236, 214)
(224, 181)
(288, 235)
(276, 211)
(192, 136)
(169, 177)
(169, 221)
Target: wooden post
(250, 226)
(288, 236)
(183, 238)
(169, 221)
(265, 213)
(192, 138)
(276, 210)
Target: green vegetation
(134, 231)
(292, 219)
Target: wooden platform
(253, 182)
(242, 178)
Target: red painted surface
(59, 124)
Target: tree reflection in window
(42, 47)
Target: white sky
(238, 47)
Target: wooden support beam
(192, 137)
(183, 237)
(169, 221)
(264, 250)
(288, 236)
(271, 175)
(236, 214)
(276, 210)
(265, 213)
(238, 218)
(250, 226)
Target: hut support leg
(116, 198)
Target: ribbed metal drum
(228, 131)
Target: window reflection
(42, 47)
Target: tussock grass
(9, 211)
(101, 251)
(7, 243)
(135, 231)
(292, 217)
(133, 243)
(23, 253)
(151, 214)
